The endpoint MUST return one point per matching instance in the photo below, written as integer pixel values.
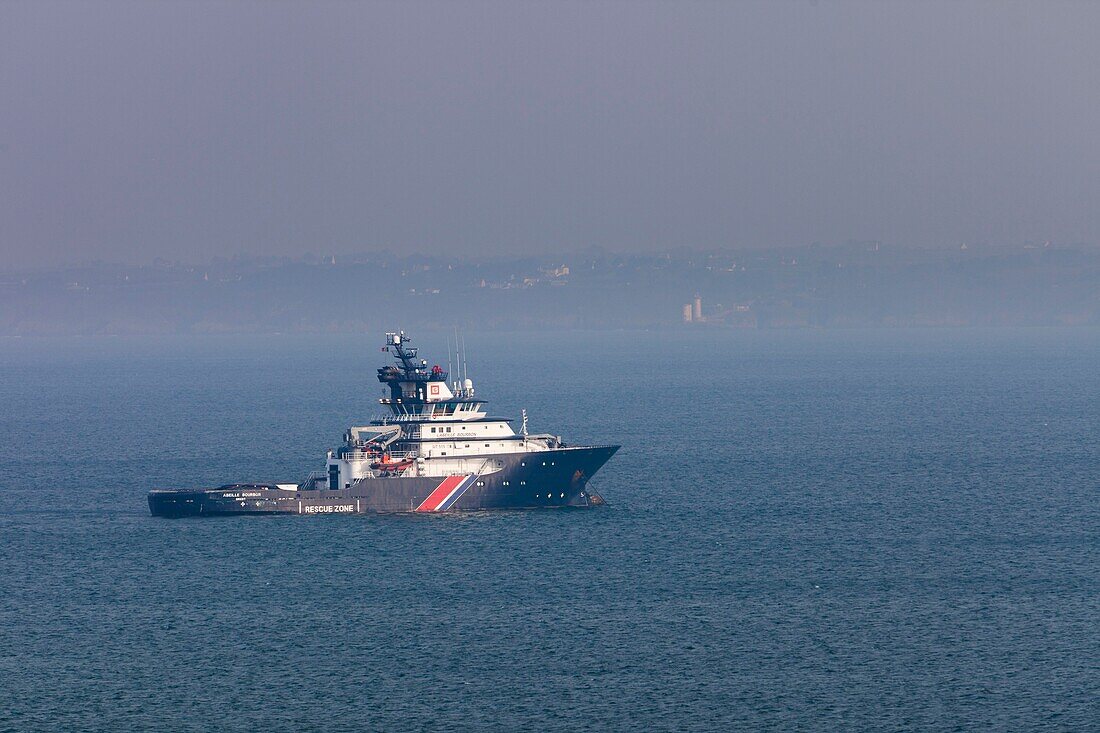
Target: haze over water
(807, 531)
(188, 130)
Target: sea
(806, 530)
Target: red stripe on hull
(436, 497)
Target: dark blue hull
(543, 479)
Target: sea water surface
(826, 530)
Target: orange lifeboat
(388, 464)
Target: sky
(131, 131)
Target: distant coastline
(851, 285)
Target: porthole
(549, 496)
(563, 496)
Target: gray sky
(130, 131)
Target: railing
(420, 375)
(388, 419)
(363, 455)
(462, 464)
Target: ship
(436, 449)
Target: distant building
(687, 312)
(698, 315)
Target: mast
(406, 355)
(465, 376)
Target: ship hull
(535, 480)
